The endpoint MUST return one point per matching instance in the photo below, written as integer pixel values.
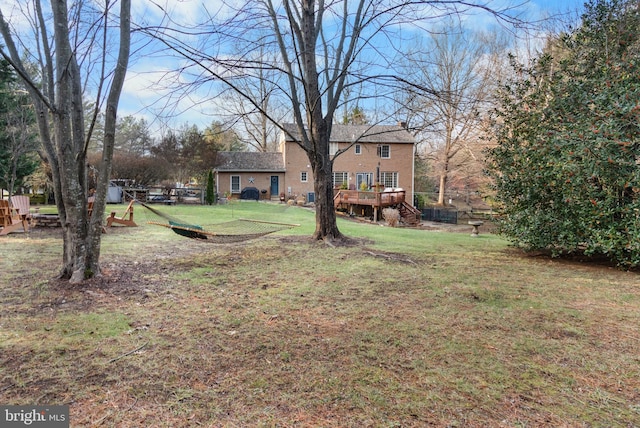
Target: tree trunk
(326, 226)
(110, 120)
(61, 108)
(319, 130)
(443, 184)
(69, 139)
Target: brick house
(238, 170)
(377, 154)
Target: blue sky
(145, 97)
(200, 109)
(559, 5)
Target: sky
(145, 95)
(558, 5)
(201, 109)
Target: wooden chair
(22, 204)
(123, 220)
(10, 220)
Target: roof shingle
(250, 161)
(377, 134)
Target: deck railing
(375, 199)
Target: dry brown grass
(452, 331)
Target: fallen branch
(128, 353)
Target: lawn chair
(10, 219)
(22, 204)
(123, 220)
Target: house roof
(250, 161)
(377, 134)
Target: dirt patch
(130, 280)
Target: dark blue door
(274, 186)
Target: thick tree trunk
(319, 130)
(326, 226)
(59, 105)
(69, 139)
(94, 237)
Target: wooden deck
(373, 199)
(357, 203)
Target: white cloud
(165, 97)
(180, 12)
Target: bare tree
(324, 49)
(458, 73)
(72, 50)
(262, 88)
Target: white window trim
(388, 151)
(395, 178)
(357, 149)
(304, 176)
(368, 176)
(239, 184)
(345, 176)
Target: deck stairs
(410, 215)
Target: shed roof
(376, 134)
(250, 161)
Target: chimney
(402, 125)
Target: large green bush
(566, 167)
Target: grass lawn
(406, 328)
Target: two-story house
(380, 154)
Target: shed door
(275, 188)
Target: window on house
(303, 176)
(339, 178)
(358, 149)
(333, 148)
(384, 151)
(389, 179)
(366, 178)
(235, 184)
